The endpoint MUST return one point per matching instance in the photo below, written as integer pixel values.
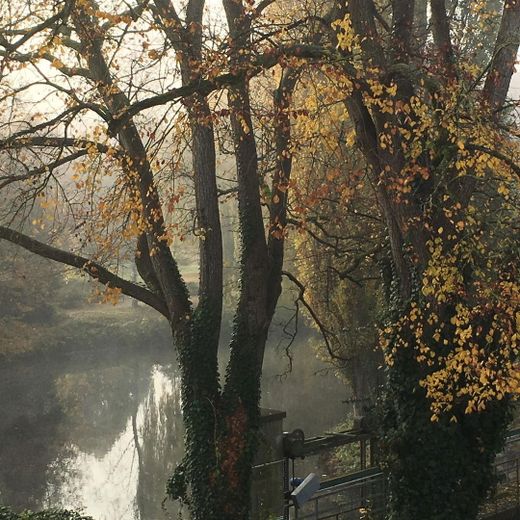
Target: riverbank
(84, 329)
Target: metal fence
(362, 495)
(506, 498)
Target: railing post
(363, 448)
(517, 485)
(373, 451)
(363, 490)
(285, 488)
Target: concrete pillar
(267, 495)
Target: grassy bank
(86, 328)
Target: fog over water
(102, 431)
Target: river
(102, 431)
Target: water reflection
(103, 433)
(158, 442)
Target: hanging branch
(325, 333)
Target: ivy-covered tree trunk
(446, 406)
(444, 411)
(440, 470)
(214, 478)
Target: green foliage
(439, 470)
(194, 481)
(176, 486)
(51, 514)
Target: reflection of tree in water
(159, 442)
(51, 412)
(30, 437)
(97, 404)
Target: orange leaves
(173, 200)
(243, 124)
(233, 444)
(278, 233)
(347, 38)
(57, 63)
(154, 54)
(111, 295)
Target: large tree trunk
(436, 470)
(195, 481)
(214, 479)
(440, 464)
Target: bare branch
(325, 333)
(264, 4)
(93, 269)
(207, 86)
(56, 142)
(29, 33)
(10, 179)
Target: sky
(514, 91)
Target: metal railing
(506, 497)
(362, 495)
(355, 498)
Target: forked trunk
(214, 479)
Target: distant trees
(436, 166)
(21, 298)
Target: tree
(340, 239)
(116, 193)
(431, 124)
(434, 127)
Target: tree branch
(500, 156)
(176, 295)
(52, 142)
(504, 57)
(264, 4)
(205, 87)
(281, 178)
(9, 179)
(325, 333)
(93, 269)
(441, 35)
(29, 33)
